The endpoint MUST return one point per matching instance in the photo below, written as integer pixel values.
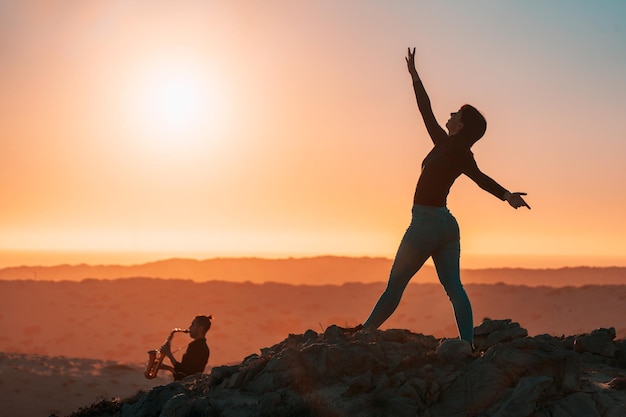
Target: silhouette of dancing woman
(433, 230)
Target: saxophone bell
(156, 356)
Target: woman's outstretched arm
(490, 185)
(435, 131)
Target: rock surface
(399, 373)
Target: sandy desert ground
(36, 385)
(69, 343)
(119, 320)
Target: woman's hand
(410, 62)
(515, 200)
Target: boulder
(151, 404)
(600, 342)
(491, 332)
(454, 350)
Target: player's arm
(166, 349)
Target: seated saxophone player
(196, 356)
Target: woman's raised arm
(435, 131)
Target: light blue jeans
(433, 232)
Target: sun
(176, 102)
(175, 105)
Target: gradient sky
(289, 128)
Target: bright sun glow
(175, 102)
(175, 106)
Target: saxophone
(155, 357)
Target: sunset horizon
(42, 258)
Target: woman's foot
(351, 330)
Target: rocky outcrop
(400, 373)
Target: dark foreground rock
(399, 373)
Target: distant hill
(310, 271)
(317, 270)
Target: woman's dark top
(450, 158)
(442, 166)
(194, 360)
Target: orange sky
(283, 128)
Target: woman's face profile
(454, 123)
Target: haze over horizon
(9, 259)
(132, 132)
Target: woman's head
(474, 124)
(468, 121)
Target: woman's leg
(410, 257)
(448, 269)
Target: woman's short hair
(474, 123)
